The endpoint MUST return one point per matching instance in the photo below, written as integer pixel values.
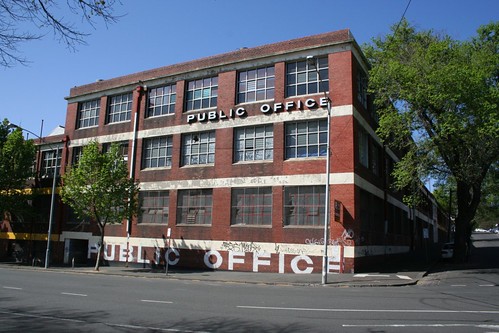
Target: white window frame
(119, 108)
(254, 143)
(157, 152)
(255, 84)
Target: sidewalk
(371, 279)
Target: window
(120, 108)
(77, 151)
(369, 152)
(374, 153)
(157, 152)
(73, 218)
(154, 206)
(122, 148)
(49, 160)
(302, 79)
(88, 114)
(304, 205)
(255, 84)
(254, 143)
(252, 206)
(194, 206)
(202, 94)
(363, 148)
(198, 148)
(161, 101)
(306, 139)
(362, 88)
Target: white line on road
(426, 325)
(13, 288)
(370, 275)
(154, 301)
(53, 318)
(155, 328)
(403, 277)
(486, 285)
(73, 294)
(366, 310)
(458, 285)
(29, 315)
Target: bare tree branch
(27, 20)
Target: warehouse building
(231, 154)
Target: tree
(44, 15)
(16, 161)
(487, 215)
(445, 94)
(98, 188)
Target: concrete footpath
(389, 278)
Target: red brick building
(230, 154)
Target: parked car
(447, 251)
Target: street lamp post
(312, 62)
(52, 199)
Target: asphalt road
(450, 299)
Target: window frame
(156, 144)
(304, 213)
(195, 92)
(253, 83)
(198, 210)
(294, 148)
(257, 214)
(47, 162)
(88, 111)
(168, 98)
(245, 142)
(363, 147)
(362, 87)
(302, 78)
(159, 203)
(122, 115)
(198, 140)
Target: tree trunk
(468, 198)
(101, 246)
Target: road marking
(367, 310)
(155, 328)
(458, 285)
(486, 285)
(13, 288)
(370, 275)
(426, 325)
(73, 294)
(404, 277)
(154, 301)
(18, 314)
(53, 318)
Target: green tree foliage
(445, 94)
(99, 188)
(16, 161)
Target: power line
(403, 15)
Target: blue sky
(156, 33)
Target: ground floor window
(252, 206)
(194, 206)
(154, 207)
(304, 205)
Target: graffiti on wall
(346, 239)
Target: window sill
(157, 168)
(264, 226)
